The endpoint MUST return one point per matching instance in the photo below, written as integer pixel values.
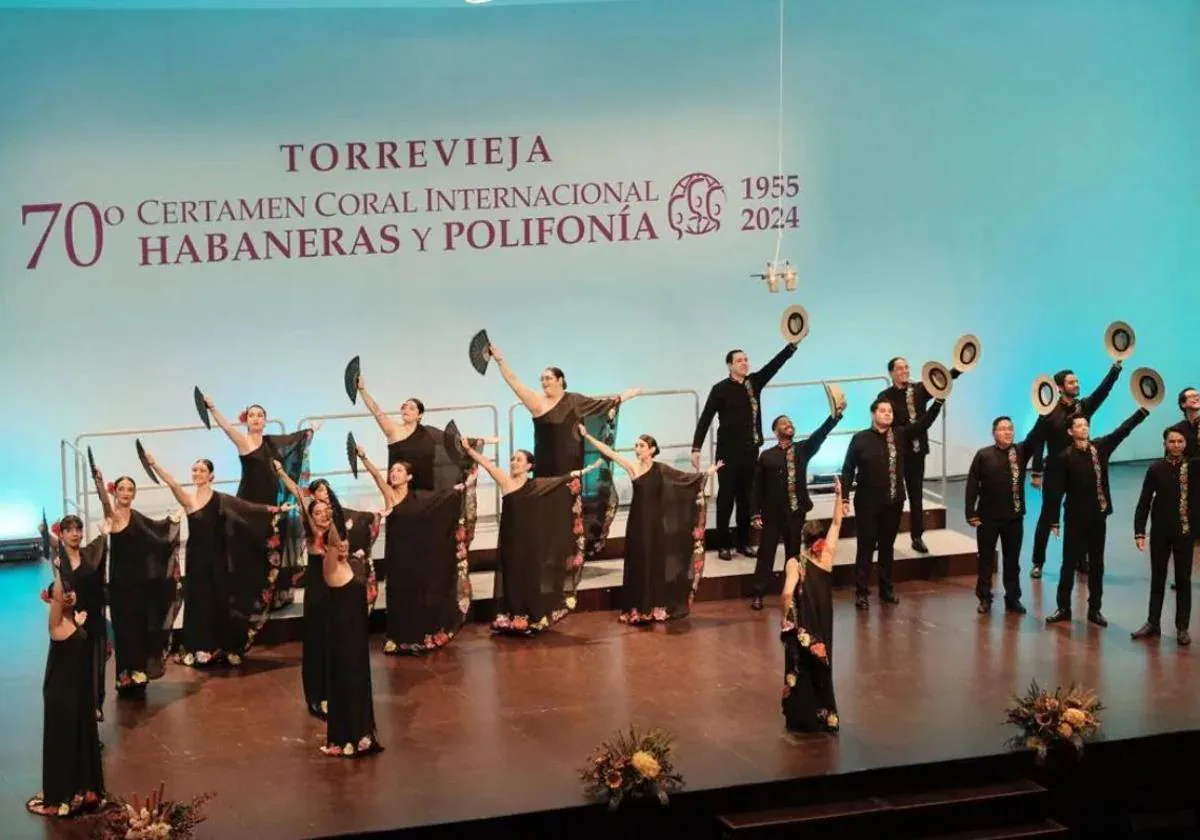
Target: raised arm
(528, 397)
(1090, 404)
(102, 492)
(767, 372)
(595, 465)
(389, 427)
(232, 432)
(185, 499)
(1111, 441)
(1141, 513)
(389, 498)
(835, 527)
(813, 442)
(502, 479)
(924, 420)
(608, 452)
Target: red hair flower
(243, 416)
(56, 528)
(110, 488)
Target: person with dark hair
(1169, 501)
(809, 703)
(1081, 480)
(735, 403)
(279, 560)
(1053, 430)
(362, 530)
(144, 593)
(222, 529)
(425, 556)
(664, 537)
(779, 497)
(1189, 405)
(558, 448)
(540, 547)
(877, 457)
(83, 571)
(72, 772)
(910, 400)
(995, 508)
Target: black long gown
(87, 581)
(144, 594)
(207, 629)
(539, 557)
(434, 469)
(350, 724)
(559, 450)
(72, 773)
(428, 585)
(664, 545)
(808, 703)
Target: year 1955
(770, 188)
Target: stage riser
(289, 629)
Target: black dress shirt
(913, 393)
(739, 416)
(996, 481)
(778, 490)
(880, 466)
(1191, 434)
(1168, 498)
(1082, 474)
(1053, 428)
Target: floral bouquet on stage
(633, 764)
(1054, 719)
(155, 818)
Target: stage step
(1041, 828)
(977, 811)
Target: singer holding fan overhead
(1054, 430)
(539, 550)
(664, 537)
(735, 403)
(909, 401)
(877, 457)
(558, 449)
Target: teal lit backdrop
(1022, 170)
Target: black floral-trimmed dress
(559, 450)
(350, 723)
(428, 581)
(809, 704)
(664, 545)
(539, 557)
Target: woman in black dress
(72, 773)
(83, 569)
(428, 585)
(350, 720)
(809, 704)
(539, 553)
(361, 530)
(144, 593)
(664, 537)
(558, 448)
(262, 578)
(219, 526)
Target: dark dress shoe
(725, 554)
(756, 603)
(1183, 637)
(862, 603)
(984, 607)
(919, 546)
(888, 598)
(1146, 631)
(1015, 607)
(1058, 616)
(1035, 572)
(1098, 618)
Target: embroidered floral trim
(131, 679)
(789, 458)
(698, 553)
(910, 403)
(267, 597)
(79, 803)
(893, 457)
(1014, 472)
(366, 745)
(754, 421)
(1185, 524)
(1100, 497)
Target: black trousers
(1162, 549)
(1083, 542)
(876, 529)
(1051, 507)
(914, 485)
(735, 481)
(1009, 533)
(775, 529)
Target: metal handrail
(306, 422)
(82, 496)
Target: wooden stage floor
(489, 726)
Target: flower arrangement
(155, 818)
(1054, 718)
(632, 764)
